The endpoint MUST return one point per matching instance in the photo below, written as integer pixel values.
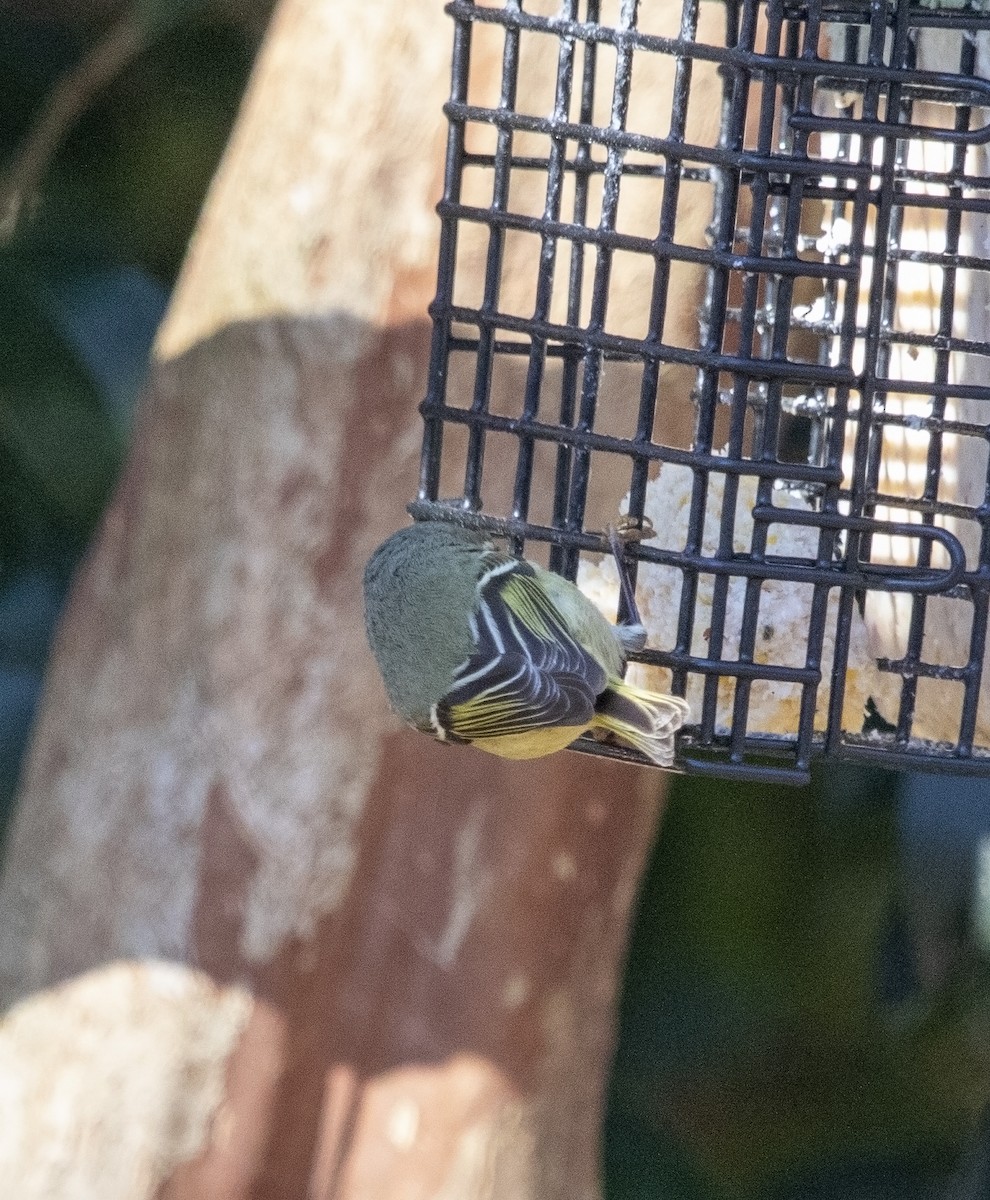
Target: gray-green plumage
(419, 586)
(476, 646)
(584, 621)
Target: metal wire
(823, 106)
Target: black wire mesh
(734, 272)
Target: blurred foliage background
(807, 996)
(85, 272)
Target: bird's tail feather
(647, 721)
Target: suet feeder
(721, 273)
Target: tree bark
(258, 941)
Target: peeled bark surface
(415, 947)
(259, 941)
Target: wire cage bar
(721, 272)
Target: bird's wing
(527, 672)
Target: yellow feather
(533, 744)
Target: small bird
(477, 646)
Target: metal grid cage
(725, 269)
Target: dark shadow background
(807, 997)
